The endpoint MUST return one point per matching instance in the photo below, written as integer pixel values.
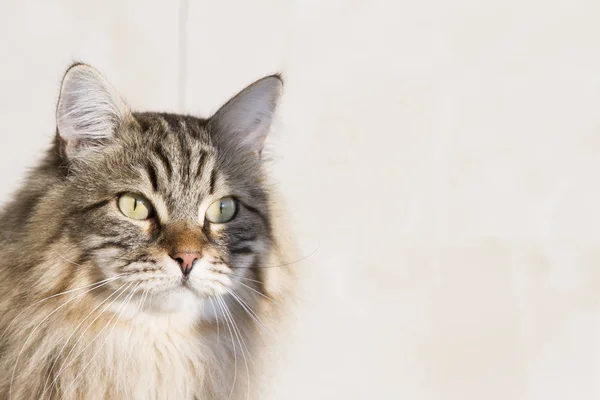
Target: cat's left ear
(244, 121)
(89, 110)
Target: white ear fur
(89, 108)
(244, 121)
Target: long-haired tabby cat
(138, 260)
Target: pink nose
(186, 261)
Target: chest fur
(136, 363)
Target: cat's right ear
(89, 110)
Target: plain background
(441, 157)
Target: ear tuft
(89, 109)
(244, 121)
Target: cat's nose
(186, 260)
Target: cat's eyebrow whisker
(37, 327)
(66, 363)
(118, 314)
(72, 334)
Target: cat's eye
(135, 206)
(222, 210)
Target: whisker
(220, 303)
(284, 264)
(247, 308)
(259, 293)
(137, 310)
(216, 316)
(236, 328)
(248, 279)
(56, 295)
(66, 259)
(71, 336)
(37, 327)
(119, 314)
(66, 364)
(242, 344)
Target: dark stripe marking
(242, 250)
(172, 120)
(186, 167)
(213, 180)
(152, 176)
(95, 206)
(201, 163)
(165, 161)
(260, 214)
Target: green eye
(221, 211)
(135, 206)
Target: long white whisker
(283, 264)
(56, 295)
(137, 310)
(119, 314)
(72, 334)
(247, 279)
(37, 327)
(66, 259)
(246, 308)
(220, 304)
(259, 293)
(242, 343)
(216, 316)
(66, 363)
(236, 329)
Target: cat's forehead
(175, 154)
(172, 160)
(166, 126)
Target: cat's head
(172, 205)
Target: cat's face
(172, 207)
(172, 213)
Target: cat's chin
(175, 301)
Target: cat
(139, 260)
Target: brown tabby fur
(139, 334)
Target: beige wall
(443, 157)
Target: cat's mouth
(203, 287)
(185, 282)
